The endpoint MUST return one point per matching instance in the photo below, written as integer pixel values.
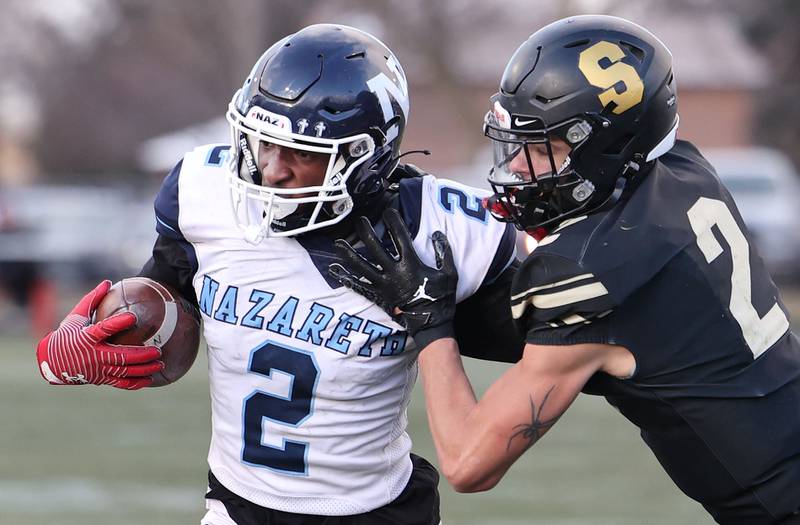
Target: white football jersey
(309, 380)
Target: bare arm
(477, 441)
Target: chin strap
(631, 169)
(406, 171)
(413, 151)
(255, 233)
(619, 188)
(494, 205)
(537, 233)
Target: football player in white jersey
(309, 380)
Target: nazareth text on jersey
(309, 380)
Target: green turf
(77, 456)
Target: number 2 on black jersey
(760, 333)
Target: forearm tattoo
(536, 428)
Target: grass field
(78, 456)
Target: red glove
(75, 354)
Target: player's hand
(76, 354)
(417, 296)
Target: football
(164, 319)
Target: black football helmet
(603, 85)
(328, 89)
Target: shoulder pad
(556, 290)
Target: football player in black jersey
(645, 287)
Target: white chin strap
(281, 210)
(255, 233)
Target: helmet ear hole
(619, 145)
(379, 164)
(367, 186)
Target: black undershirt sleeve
(170, 265)
(483, 323)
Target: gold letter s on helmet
(606, 78)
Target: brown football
(164, 319)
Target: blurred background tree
(772, 27)
(87, 82)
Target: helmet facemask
(262, 211)
(536, 199)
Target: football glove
(420, 298)
(76, 354)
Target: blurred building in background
(100, 98)
(454, 58)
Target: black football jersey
(671, 274)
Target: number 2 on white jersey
(760, 333)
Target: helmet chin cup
(255, 233)
(281, 209)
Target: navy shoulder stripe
(166, 205)
(320, 250)
(411, 203)
(503, 255)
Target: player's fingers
(90, 301)
(352, 281)
(444, 253)
(111, 325)
(354, 263)
(399, 233)
(133, 383)
(144, 370)
(100, 292)
(375, 250)
(124, 355)
(340, 273)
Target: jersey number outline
(760, 333)
(291, 410)
(452, 198)
(607, 78)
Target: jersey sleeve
(484, 252)
(170, 264)
(167, 205)
(174, 261)
(556, 301)
(483, 325)
(482, 247)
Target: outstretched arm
(477, 441)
